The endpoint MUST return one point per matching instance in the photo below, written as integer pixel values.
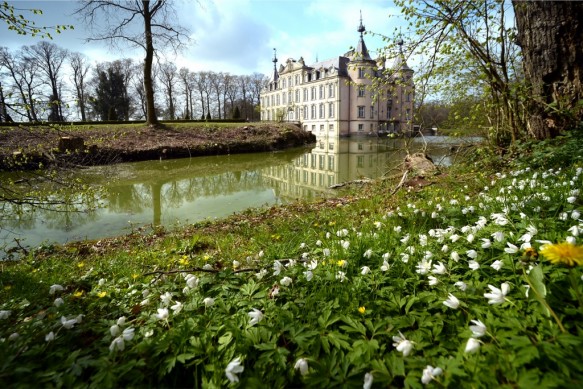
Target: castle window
(330, 90)
(371, 112)
(297, 79)
(331, 110)
(289, 81)
(361, 91)
(408, 114)
(283, 99)
(361, 73)
(297, 95)
(305, 94)
(408, 97)
(305, 112)
(321, 91)
(283, 83)
(361, 127)
(313, 93)
(277, 99)
(361, 111)
(321, 111)
(313, 111)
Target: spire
(275, 74)
(401, 62)
(361, 28)
(361, 53)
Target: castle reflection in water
(334, 161)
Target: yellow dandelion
(135, 275)
(78, 293)
(341, 263)
(183, 260)
(101, 294)
(361, 310)
(563, 253)
(332, 223)
(80, 265)
(206, 257)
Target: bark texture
(550, 34)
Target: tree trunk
(550, 35)
(151, 117)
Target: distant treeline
(45, 82)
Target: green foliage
(23, 25)
(319, 298)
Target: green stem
(543, 301)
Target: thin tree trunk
(151, 118)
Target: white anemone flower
(277, 268)
(474, 265)
(177, 307)
(302, 365)
(50, 337)
(455, 256)
(511, 249)
(433, 280)
(341, 276)
(429, 374)
(368, 379)
(58, 302)
(498, 236)
(472, 346)
(166, 298)
(256, 316)
(286, 281)
(364, 270)
(162, 314)
(478, 329)
(461, 285)
(402, 344)
(4, 314)
(309, 275)
(452, 302)
(68, 324)
(486, 243)
(439, 268)
(497, 265)
(208, 301)
(497, 296)
(423, 267)
(367, 254)
(473, 254)
(233, 368)
(56, 288)
(385, 266)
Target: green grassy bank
(471, 281)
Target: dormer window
(361, 73)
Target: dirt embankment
(24, 147)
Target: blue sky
(237, 36)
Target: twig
(400, 183)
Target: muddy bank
(23, 147)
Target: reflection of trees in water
(128, 198)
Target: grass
(332, 293)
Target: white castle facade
(343, 96)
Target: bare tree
(201, 79)
(217, 87)
(258, 82)
(80, 68)
(186, 83)
(244, 86)
(50, 59)
(24, 74)
(167, 77)
(115, 19)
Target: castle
(343, 96)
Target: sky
(235, 36)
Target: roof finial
(361, 28)
(400, 41)
(275, 75)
